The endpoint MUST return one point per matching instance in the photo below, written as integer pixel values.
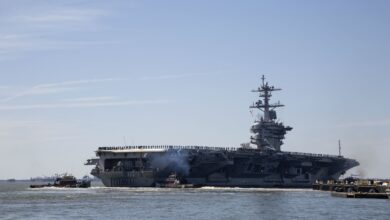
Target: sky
(79, 74)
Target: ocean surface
(18, 201)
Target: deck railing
(168, 147)
(230, 149)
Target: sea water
(18, 201)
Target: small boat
(11, 180)
(173, 182)
(66, 181)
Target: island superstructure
(268, 134)
(260, 163)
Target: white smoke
(172, 161)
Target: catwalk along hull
(260, 163)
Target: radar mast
(268, 134)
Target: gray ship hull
(220, 167)
(127, 179)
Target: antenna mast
(265, 92)
(339, 148)
(124, 140)
(268, 133)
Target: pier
(355, 188)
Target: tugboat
(66, 181)
(173, 182)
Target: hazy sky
(76, 75)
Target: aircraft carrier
(260, 163)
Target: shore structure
(355, 188)
(260, 163)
